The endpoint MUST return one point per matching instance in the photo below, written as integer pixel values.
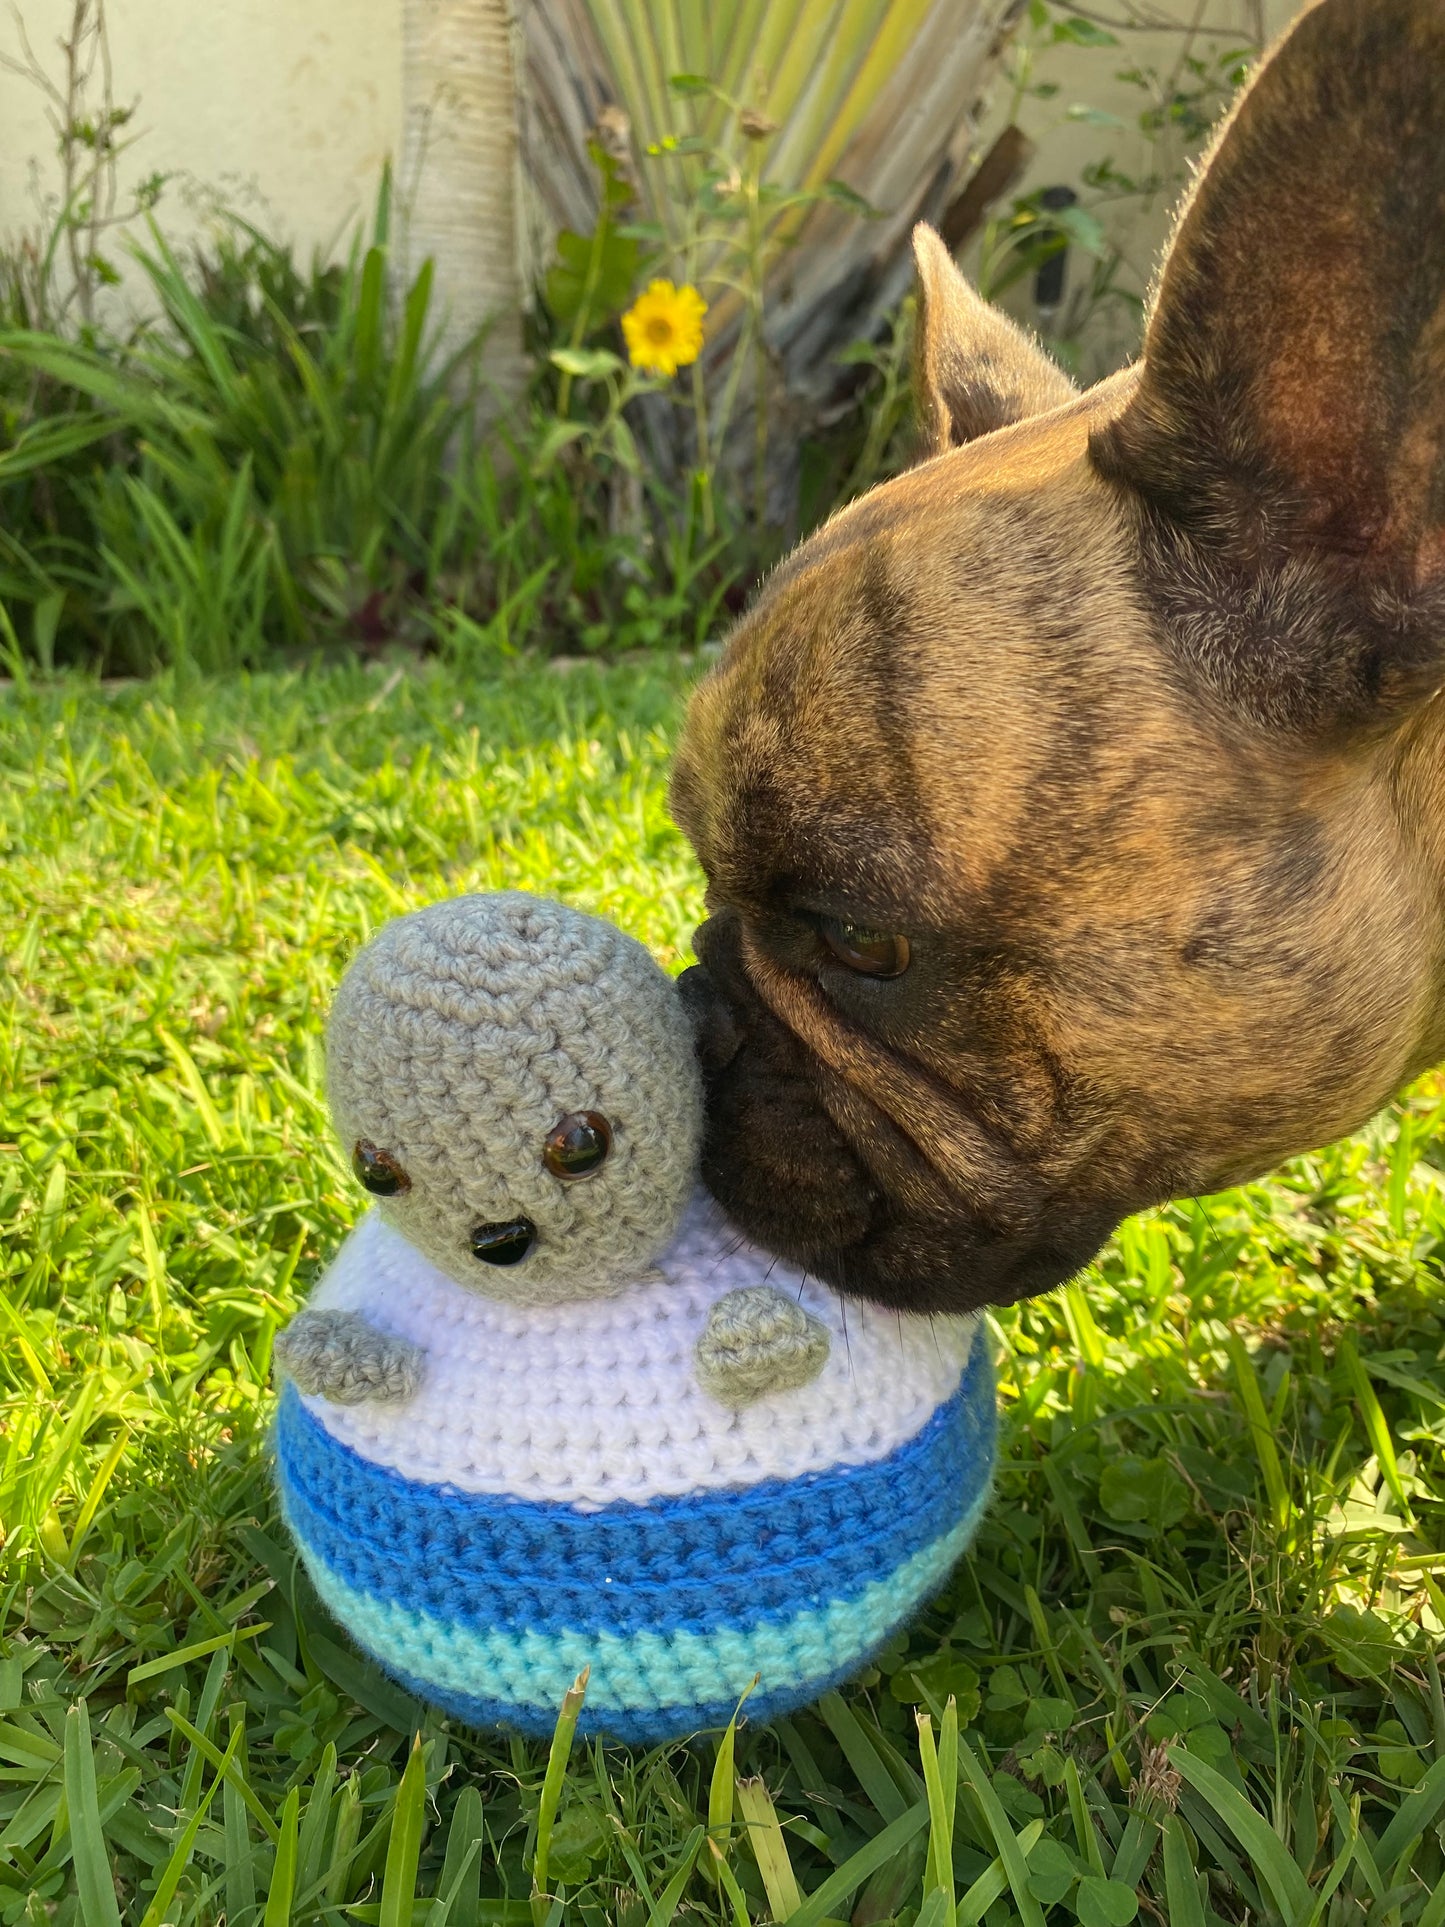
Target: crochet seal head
(515, 1083)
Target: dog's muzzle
(787, 1174)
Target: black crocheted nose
(504, 1244)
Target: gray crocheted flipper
(756, 1341)
(338, 1355)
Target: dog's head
(1073, 806)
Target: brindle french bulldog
(1073, 806)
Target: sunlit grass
(1192, 1658)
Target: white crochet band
(596, 1400)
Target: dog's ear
(1285, 445)
(974, 371)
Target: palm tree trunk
(459, 170)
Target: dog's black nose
(714, 1025)
(504, 1244)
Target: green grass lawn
(1193, 1654)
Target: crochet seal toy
(547, 1410)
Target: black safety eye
(504, 1244)
(577, 1144)
(378, 1170)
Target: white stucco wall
(287, 110)
(288, 113)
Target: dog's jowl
(1073, 806)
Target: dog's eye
(871, 953)
(378, 1170)
(577, 1144)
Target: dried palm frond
(880, 95)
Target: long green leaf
(461, 1869)
(403, 1847)
(1006, 1843)
(283, 1871)
(1415, 1812)
(94, 1878)
(1180, 1889)
(670, 1899)
(873, 1776)
(1260, 1428)
(1433, 1914)
(45, 444)
(769, 1848)
(992, 1883)
(181, 1853)
(720, 1800)
(1287, 1885)
(847, 1879)
(562, 1736)
(941, 1786)
(1376, 1426)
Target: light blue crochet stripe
(674, 1672)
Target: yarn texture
(458, 1037)
(340, 1356)
(757, 1340)
(547, 1408)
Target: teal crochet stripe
(643, 1684)
(718, 1559)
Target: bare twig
(81, 109)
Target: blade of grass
(561, 1750)
(720, 1797)
(283, 1870)
(311, 1841)
(1433, 1913)
(183, 1655)
(873, 1776)
(94, 1878)
(191, 1077)
(670, 1899)
(1005, 1841)
(181, 1854)
(1266, 1851)
(235, 1772)
(460, 1886)
(91, 1503)
(940, 1777)
(1085, 1832)
(769, 1848)
(1377, 1427)
(344, 1841)
(1343, 1861)
(1185, 1908)
(728, 1881)
(1247, 1381)
(1415, 1812)
(992, 1883)
(403, 1847)
(847, 1879)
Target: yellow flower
(664, 328)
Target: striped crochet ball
(561, 1493)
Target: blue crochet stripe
(732, 1558)
(651, 1685)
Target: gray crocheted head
(515, 1083)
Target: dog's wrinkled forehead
(923, 679)
(807, 718)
